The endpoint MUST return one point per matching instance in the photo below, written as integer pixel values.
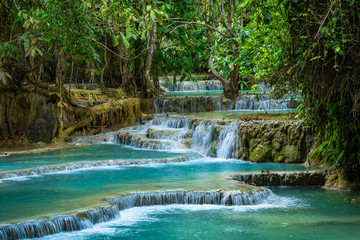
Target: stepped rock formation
(83, 165)
(310, 178)
(258, 141)
(195, 104)
(86, 219)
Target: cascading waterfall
(172, 122)
(86, 165)
(58, 224)
(195, 104)
(228, 138)
(210, 138)
(263, 103)
(189, 104)
(205, 139)
(202, 138)
(207, 85)
(139, 141)
(87, 219)
(161, 135)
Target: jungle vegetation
(310, 47)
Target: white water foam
(133, 216)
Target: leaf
(152, 15)
(125, 41)
(160, 19)
(27, 47)
(39, 52)
(116, 40)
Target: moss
(110, 114)
(261, 153)
(98, 94)
(337, 180)
(269, 116)
(290, 154)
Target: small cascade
(165, 141)
(195, 104)
(202, 138)
(141, 141)
(263, 87)
(214, 140)
(172, 122)
(161, 134)
(228, 139)
(191, 104)
(226, 198)
(99, 138)
(87, 219)
(204, 85)
(262, 104)
(58, 224)
(208, 137)
(86, 165)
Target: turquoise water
(94, 152)
(231, 113)
(208, 93)
(300, 213)
(79, 190)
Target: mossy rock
(291, 154)
(261, 153)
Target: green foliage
(323, 61)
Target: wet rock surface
(193, 104)
(266, 178)
(249, 195)
(255, 140)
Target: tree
(324, 62)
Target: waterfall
(210, 138)
(228, 139)
(140, 141)
(186, 86)
(227, 198)
(206, 103)
(173, 122)
(58, 224)
(99, 138)
(191, 104)
(202, 138)
(86, 219)
(214, 140)
(263, 104)
(84, 165)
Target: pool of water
(71, 191)
(92, 152)
(300, 213)
(209, 93)
(232, 114)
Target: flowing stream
(168, 178)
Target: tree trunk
(127, 78)
(150, 46)
(60, 69)
(233, 89)
(216, 73)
